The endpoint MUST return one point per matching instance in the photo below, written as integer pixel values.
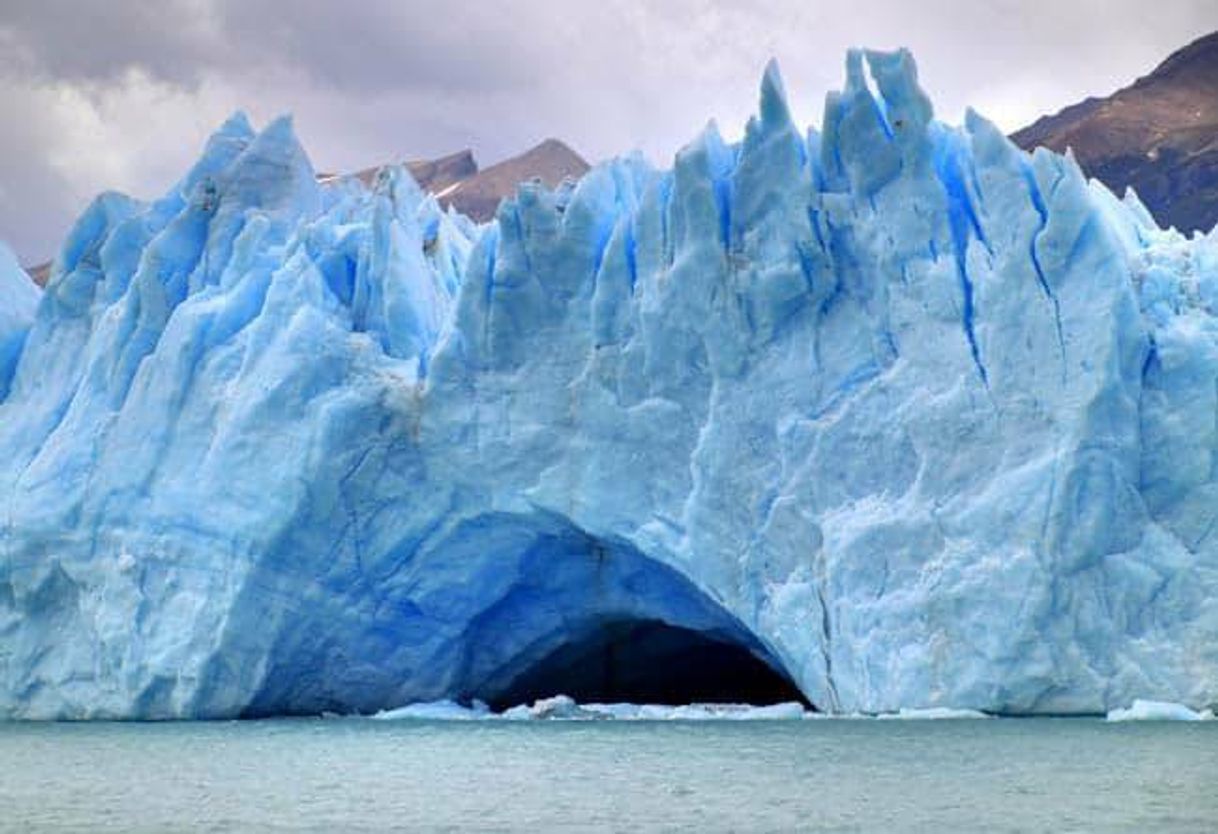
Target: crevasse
(917, 419)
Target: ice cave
(544, 609)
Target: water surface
(358, 775)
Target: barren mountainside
(1159, 135)
(479, 195)
(457, 181)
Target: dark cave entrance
(506, 609)
(650, 662)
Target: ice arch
(537, 607)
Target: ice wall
(923, 420)
(18, 302)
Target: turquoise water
(357, 775)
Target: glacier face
(18, 303)
(921, 419)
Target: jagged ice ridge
(923, 420)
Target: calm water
(355, 775)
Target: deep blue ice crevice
(963, 223)
(721, 161)
(1042, 213)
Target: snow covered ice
(920, 420)
(1142, 710)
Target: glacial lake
(354, 775)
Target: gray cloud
(122, 94)
(97, 42)
(388, 44)
(36, 201)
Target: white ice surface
(1158, 711)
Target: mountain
(479, 195)
(1158, 136)
(40, 273)
(456, 180)
(431, 174)
(891, 412)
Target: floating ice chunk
(933, 714)
(562, 707)
(711, 712)
(617, 711)
(443, 710)
(788, 711)
(1143, 710)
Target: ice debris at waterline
(1159, 711)
(565, 708)
(905, 414)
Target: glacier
(921, 421)
(18, 303)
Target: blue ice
(925, 421)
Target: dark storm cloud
(122, 93)
(386, 45)
(95, 42)
(367, 47)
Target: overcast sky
(121, 94)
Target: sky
(122, 94)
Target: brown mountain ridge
(1158, 135)
(457, 181)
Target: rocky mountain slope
(479, 195)
(1159, 135)
(432, 175)
(457, 181)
